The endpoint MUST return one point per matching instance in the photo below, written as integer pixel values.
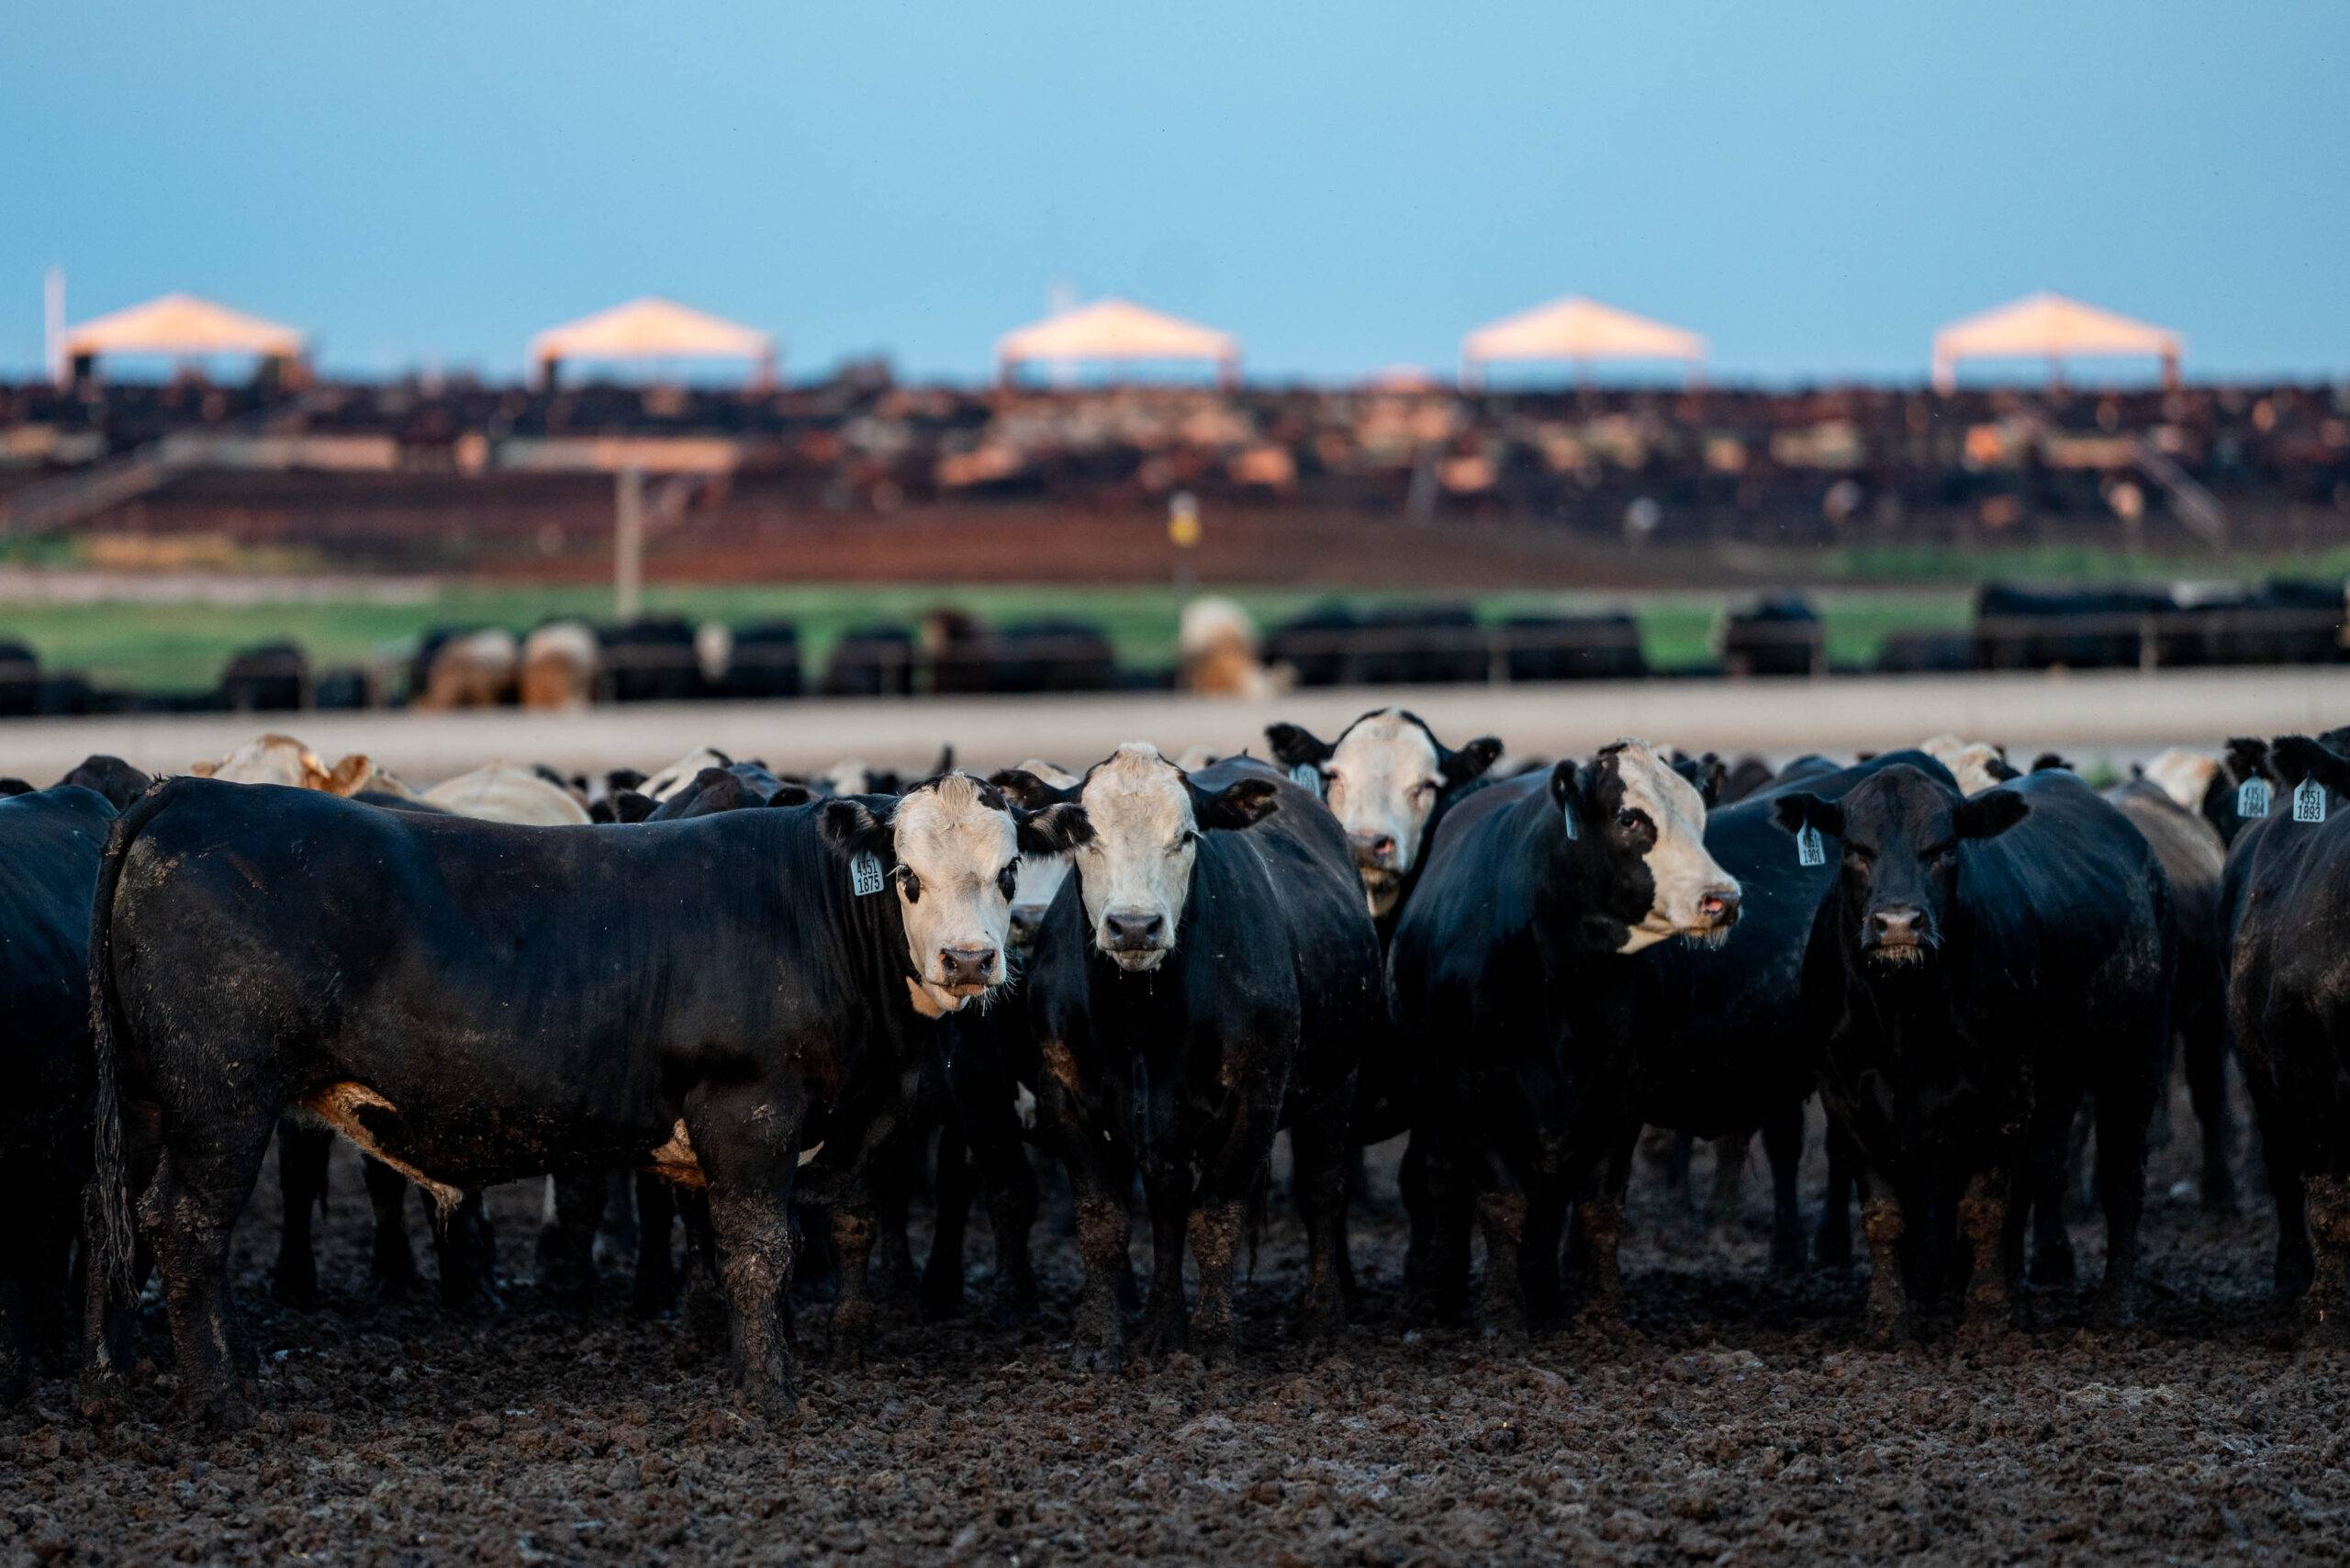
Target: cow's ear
(790, 795)
(602, 811)
(629, 806)
(203, 769)
(2049, 762)
(621, 779)
(855, 827)
(2298, 758)
(2247, 759)
(1024, 788)
(1802, 810)
(1570, 789)
(14, 787)
(1244, 803)
(1056, 830)
(347, 777)
(1705, 774)
(1470, 761)
(1990, 814)
(1999, 767)
(1296, 746)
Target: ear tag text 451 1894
(865, 873)
(2309, 802)
(1809, 851)
(2252, 799)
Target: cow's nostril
(1721, 908)
(967, 966)
(1134, 930)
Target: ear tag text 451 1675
(2309, 802)
(1809, 851)
(865, 873)
(2252, 799)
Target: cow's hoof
(852, 1332)
(1322, 1321)
(1887, 1330)
(222, 1410)
(1094, 1356)
(473, 1300)
(1161, 1332)
(1218, 1349)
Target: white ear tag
(1308, 776)
(2309, 802)
(865, 873)
(2252, 799)
(1567, 815)
(1809, 851)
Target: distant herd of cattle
(764, 1007)
(569, 663)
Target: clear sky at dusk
(1815, 187)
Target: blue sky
(1345, 188)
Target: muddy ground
(1732, 1419)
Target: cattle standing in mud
(2287, 899)
(1207, 974)
(1980, 963)
(1508, 971)
(479, 1017)
(50, 844)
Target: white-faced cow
(480, 1013)
(1509, 975)
(1206, 975)
(1979, 963)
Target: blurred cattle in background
(465, 670)
(1779, 636)
(270, 677)
(1216, 652)
(559, 665)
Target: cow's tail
(112, 1236)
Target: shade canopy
(1579, 331)
(2051, 327)
(1117, 329)
(181, 325)
(652, 328)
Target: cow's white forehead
(268, 759)
(1136, 790)
(946, 828)
(1385, 744)
(1651, 784)
(680, 773)
(2184, 775)
(1681, 871)
(1060, 778)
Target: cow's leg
(1098, 1335)
(896, 1172)
(2328, 1304)
(18, 1262)
(208, 1172)
(467, 1250)
(566, 1252)
(1010, 1184)
(1599, 1219)
(1833, 1250)
(1324, 1162)
(1725, 1202)
(1882, 1223)
(2053, 1262)
(1782, 1148)
(393, 1260)
(2122, 1193)
(1547, 1205)
(616, 1232)
(2204, 1046)
(1500, 1221)
(1991, 1299)
(1233, 1176)
(747, 1139)
(302, 1156)
(1165, 1325)
(942, 1272)
(855, 1229)
(655, 1284)
(1674, 1153)
(1436, 1288)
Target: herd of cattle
(760, 1010)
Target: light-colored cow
(1384, 779)
(282, 759)
(507, 792)
(559, 663)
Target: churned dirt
(1731, 1418)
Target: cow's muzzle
(967, 971)
(1896, 933)
(1137, 939)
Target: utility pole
(52, 322)
(628, 545)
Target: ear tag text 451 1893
(1809, 851)
(2309, 802)
(865, 873)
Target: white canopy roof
(181, 325)
(2050, 327)
(653, 328)
(1579, 330)
(1116, 329)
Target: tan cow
(509, 792)
(559, 662)
(474, 670)
(1215, 652)
(282, 759)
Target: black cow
(1980, 964)
(110, 776)
(474, 1002)
(50, 844)
(2287, 904)
(1506, 974)
(1206, 974)
(270, 677)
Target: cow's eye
(1628, 820)
(1424, 789)
(1008, 878)
(1942, 854)
(1859, 859)
(908, 885)
(1190, 837)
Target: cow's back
(50, 842)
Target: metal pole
(628, 545)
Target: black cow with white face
(50, 844)
(2286, 908)
(1509, 974)
(1981, 963)
(1207, 974)
(471, 1002)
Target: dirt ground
(1732, 1419)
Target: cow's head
(1976, 764)
(1383, 778)
(1639, 833)
(1902, 833)
(950, 849)
(1145, 817)
(1041, 876)
(282, 759)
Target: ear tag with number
(1567, 815)
(1308, 776)
(865, 873)
(2309, 802)
(1809, 851)
(2252, 799)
